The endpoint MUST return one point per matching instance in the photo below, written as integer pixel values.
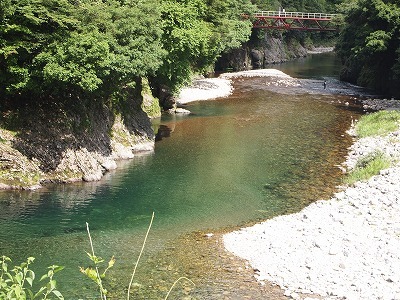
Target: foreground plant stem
(140, 254)
(97, 269)
(176, 281)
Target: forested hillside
(83, 49)
(96, 49)
(370, 46)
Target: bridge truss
(294, 21)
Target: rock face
(277, 50)
(259, 54)
(65, 142)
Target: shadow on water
(254, 155)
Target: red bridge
(294, 21)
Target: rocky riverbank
(342, 248)
(72, 141)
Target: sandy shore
(212, 88)
(319, 50)
(343, 248)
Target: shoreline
(212, 88)
(344, 247)
(319, 50)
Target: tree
(196, 32)
(64, 49)
(56, 49)
(27, 27)
(369, 45)
(114, 45)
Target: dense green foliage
(370, 46)
(72, 50)
(322, 6)
(305, 38)
(195, 33)
(65, 49)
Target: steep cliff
(65, 142)
(261, 51)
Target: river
(256, 154)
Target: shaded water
(256, 154)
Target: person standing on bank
(324, 84)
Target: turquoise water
(251, 156)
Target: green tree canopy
(26, 28)
(57, 48)
(68, 49)
(195, 33)
(370, 46)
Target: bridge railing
(302, 15)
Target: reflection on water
(321, 66)
(251, 156)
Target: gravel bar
(347, 247)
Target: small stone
(182, 111)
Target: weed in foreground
(94, 274)
(17, 283)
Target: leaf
(94, 258)
(58, 294)
(30, 274)
(30, 259)
(57, 268)
(90, 273)
(52, 283)
(39, 292)
(111, 262)
(29, 280)
(30, 294)
(18, 278)
(43, 277)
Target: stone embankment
(343, 248)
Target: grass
(378, 124)
(367, 167)
(375, 124)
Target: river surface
(258, 153)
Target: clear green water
(236, 160)
(319, 66)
